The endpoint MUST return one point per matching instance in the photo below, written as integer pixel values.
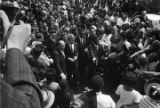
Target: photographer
(19, 88)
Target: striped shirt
(146, 102)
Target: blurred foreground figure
(18, 88)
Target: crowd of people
(105, 48)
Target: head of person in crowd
(39, 37)
(71, 38)
(108, 30)
(152, 90)
(61, 45)
(124, 16)
(155, 46)
(37, 50)
(93, 30)
(125, 27)
(100, 32)
(129, 80)
(144, 13)
(64, 85)
(50, 75)
(137, 22)
(142, 61)
(153, 60)
(97, 83)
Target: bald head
(71, 38)
(61, 45)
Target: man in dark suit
(71, 52)
(59, 58)
(18, 88)
(95, 51)
(83, 42)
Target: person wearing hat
(151, 99)
(95, 98)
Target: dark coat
(59, 65)
(20, 89)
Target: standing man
(59, 57)
(82, 41)
(71, 52)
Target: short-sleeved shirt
(127, 97)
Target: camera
(10, 8)
(14, 13)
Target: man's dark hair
(129, 79)
(97, 83)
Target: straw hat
(152, 89)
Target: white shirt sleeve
(138, 97)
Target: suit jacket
(82, 44)
(82, 54)
(95, 51)
(69, 53)
(20, 89)
(60, 64)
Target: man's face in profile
(124, 17)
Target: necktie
(81, 39)
(63, 54)
(72, 47)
